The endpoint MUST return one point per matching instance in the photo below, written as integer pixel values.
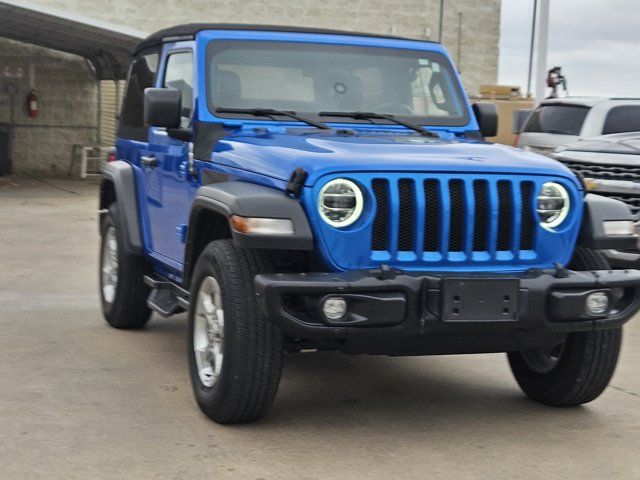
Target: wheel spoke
(208, 331)
(109, 271)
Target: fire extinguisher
(32, 104)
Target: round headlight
(340, 202)
(553, 205)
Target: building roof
(108, 47)
(189, 31)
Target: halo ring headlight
(553, 204)
(340, 202)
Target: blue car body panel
(267, 152)
(277, 154)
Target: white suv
(560, 121)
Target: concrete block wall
(411, 18)
(65, 82)
(65, 86)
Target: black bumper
(407, 313)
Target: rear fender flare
(120, 177)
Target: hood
(624, 143)
(546, 142)
(320, 153)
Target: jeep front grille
(452, 219)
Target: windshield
(308, 78)
(558, 119)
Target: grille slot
(432, 215)
(380, 240)
(528, 222)
(406, 229)
(481, 222)
(458, 212)
(505, 213)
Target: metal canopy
(108, 47)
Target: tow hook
(385, 272)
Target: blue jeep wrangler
(296, 189)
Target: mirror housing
(162, 107)
(487, 116)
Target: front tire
(123, 293)
(578, 370)
(235, 353)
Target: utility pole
(541, 51)
(531, 46)
(459, 41)
(441, 21)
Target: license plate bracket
(481, 300)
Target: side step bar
(166, 297)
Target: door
(169, 185)
(5, 149)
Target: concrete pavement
(81, 400)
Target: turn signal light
(261, 226)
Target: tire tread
(257, 342)
(587, 363)
(129, 309)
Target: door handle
(150, 161)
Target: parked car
(610, 166)
(297, 189)
(560, 121)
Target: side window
(142, 75)
(179, 75)
(625, 118)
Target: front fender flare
(249, 200)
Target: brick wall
(67, 89)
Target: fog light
(597, 303)
(334, 308)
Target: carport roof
(108, 47)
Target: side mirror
(487, 117)
(162, 107)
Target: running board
(166, 297)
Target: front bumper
(627, 192)
(409, 313)
(625, 258)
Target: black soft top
(189, 31)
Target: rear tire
(235, 353)
(577, 371)
(123, 292)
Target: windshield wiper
(270, 112)
(382, 116)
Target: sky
(596, 42)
